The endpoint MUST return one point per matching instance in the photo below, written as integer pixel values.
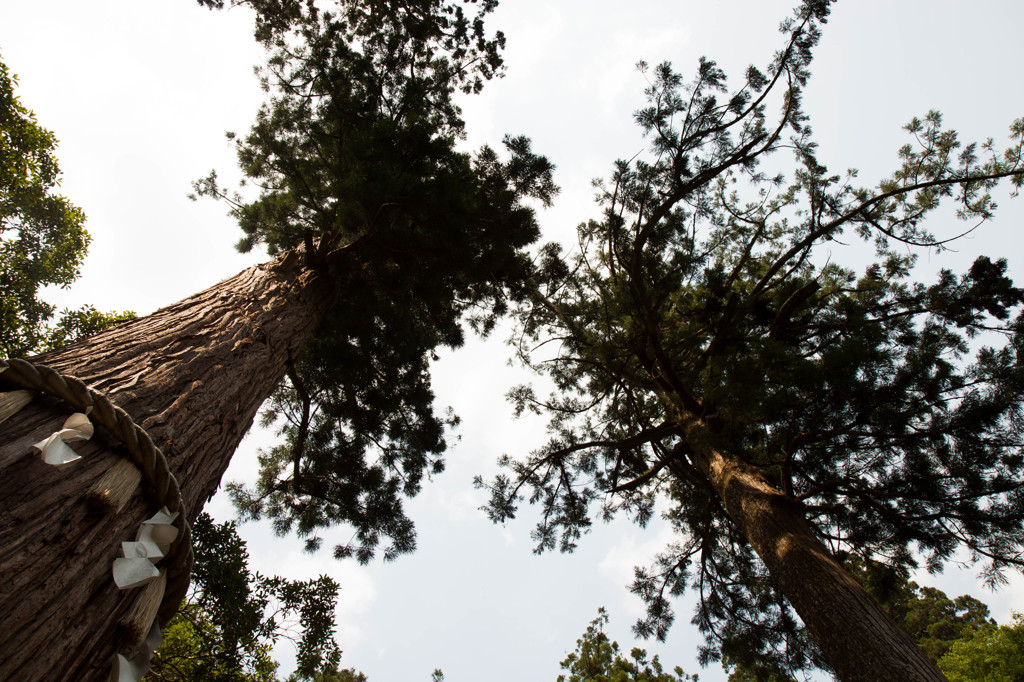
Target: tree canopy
(710, 352)
(42, 235)
(988, 654)
(43, 240)
(597, 659)
(353, 158)
(935, 621)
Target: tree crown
(354, 159)
(887, 409)
(42, 235)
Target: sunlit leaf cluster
(233, 617)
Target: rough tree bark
(193, 375)
(859, 640)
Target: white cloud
(631, 547)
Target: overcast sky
(140, 95)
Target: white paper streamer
(124, 670)
(152, 542)
(134, 572)
(132, 670)
(159, 530)
(141, 550)
(155, 638)
(164, 516)
(53, 449)
(78, 426)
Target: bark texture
(859, 639)
(193, 375)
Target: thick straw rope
(142, 452)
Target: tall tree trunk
(193, 375)
(859, 639)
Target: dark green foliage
(890, 410)
(354, 158)
(232, 617)
(75, 325)
(935, 621)
(597, 659)
(42, 235)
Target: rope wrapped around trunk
(150, 461)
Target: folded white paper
(55, 453)
(152, 542)
(155, 638)
(125, 670)
(159, 529)
(53, 449)
(163, 516)
(132, 670)
(132, 572)
(141, 550)
(77, 427)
